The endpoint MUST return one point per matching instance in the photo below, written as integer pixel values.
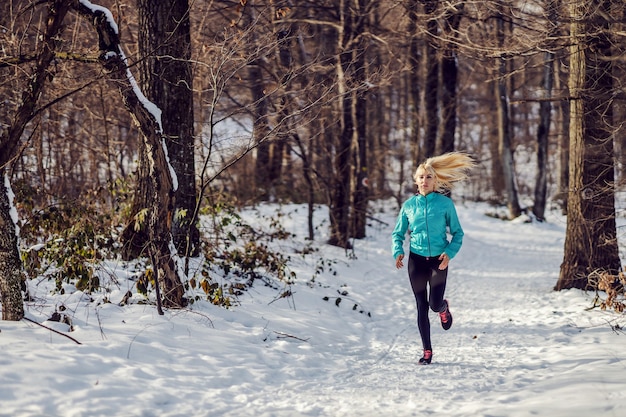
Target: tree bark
(11, 272)
(543, 130)
(563, 120)
(545, 119)
(431, 81)
(261, 108)
(591, 237)
(11, 277)
(413, 81)
(340, 203)
(502, 104)
(449, 80)
(166, 78)
(360, 119)
(148, 119)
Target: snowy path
(516, 348)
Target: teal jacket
(428, 219)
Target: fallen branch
(52, 330)
(282, 335)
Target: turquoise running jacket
(428, 219)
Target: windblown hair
(448, 169)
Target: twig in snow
(285, 336)
(52, 330)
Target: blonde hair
(448, 168)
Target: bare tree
(502, 99)
(11, 273)
(342, 180)
(449, 77)
(261, 101)
(163, 178)
(413, 80)
(545, 112)
(11, 276)
(563, 122)
(431, 80)
(362, 10)
(591, 239)
(165, 76)
(545, 117)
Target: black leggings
(422, 271)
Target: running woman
(429, 216)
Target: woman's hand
(445, 259)
(399, 263)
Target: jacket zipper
(426, 222)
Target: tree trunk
(543, 130)
(413, 81)
(502, 103)
(136, 234)
(449, 79)
(166, 78)
(11, 278)
(11, 273)
(562, 138)
(591, 237)
(280, 152)
(360, 119)
(491, 127)
(340, 203)
(162, 175)
(326, 128)
(261, 105)
(306, 153)
(431, 85)
(378, 122)
(545, 120)
(619, 72)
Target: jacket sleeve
(456, 231)
(398, 234)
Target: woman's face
(425, 181)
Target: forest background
(122, 123)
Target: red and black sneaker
(427, 358)
(446, 316)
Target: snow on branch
(103, 10)
(147, 115)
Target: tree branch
(53, 330)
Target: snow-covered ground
(516, 348)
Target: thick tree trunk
(591, 237)
(166, 78)
(164, 181)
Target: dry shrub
(613, 288)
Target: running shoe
(428, 356)
(446, 316)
